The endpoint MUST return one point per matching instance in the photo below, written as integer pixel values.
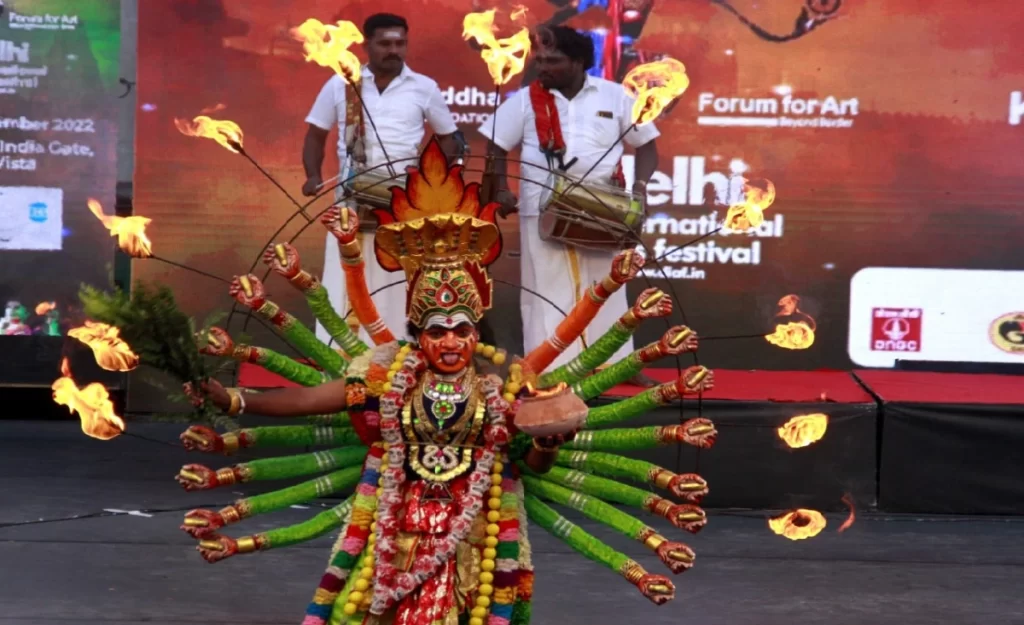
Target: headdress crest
(442, 238)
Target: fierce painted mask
(449, 342)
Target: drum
(371, 190)
(591, 215)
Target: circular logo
(1007, 333)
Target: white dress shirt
(591, 122)
(398, 114)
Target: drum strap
(549, 132)
(355, 125)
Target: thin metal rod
(277, 184)
(192, 269)
(689, 243)
(734, 336)
(603, 156)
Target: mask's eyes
(464, 331)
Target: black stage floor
(884, 570)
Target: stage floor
(897, 570)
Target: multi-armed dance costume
(436, 531)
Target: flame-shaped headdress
(442, 238)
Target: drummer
(399, 100)
(592, 114)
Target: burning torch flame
(45, 307)
(750, 212)
(518, 13)
(92, 404)
(848, 500)
(223, 131)
(655, 85)
(797, 335)
(130, 231)
(328, 46)
(798, 524)
(504, 57)
(111, 352)
(794, 328)
(804, 430)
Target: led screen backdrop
(890, 130)
(59, 64)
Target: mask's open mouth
(451, 358)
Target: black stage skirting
(951, 443)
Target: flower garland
(351, 542)
(390, 585)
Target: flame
(44, 307)
(794, 328)
(223, 131)
(798, 524)
(789, 305)
(130, 231)
(111, 352)
(434, 188)
(518, 13)
(328, 45)
(655, 85)
(92, 404)
(750, 212)
(220, 106)
(792, 335)
(504, 57)
(848, 500)
(804, 430)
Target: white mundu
(591, 123)
(398, 114)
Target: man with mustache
(565, 121)
(398, 101)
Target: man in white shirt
(399, 100)
(592, 113)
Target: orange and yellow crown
(442, 238)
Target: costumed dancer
(399, 100)
(448, 463)
(564, 123)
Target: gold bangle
(246, 544)
(304, 281)
(230, 515)
(632, 571)
(269, 309)
(610, 284)
(231, 442)
(351, 251)
(226, 476)
(629, 320)
(236, 401)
